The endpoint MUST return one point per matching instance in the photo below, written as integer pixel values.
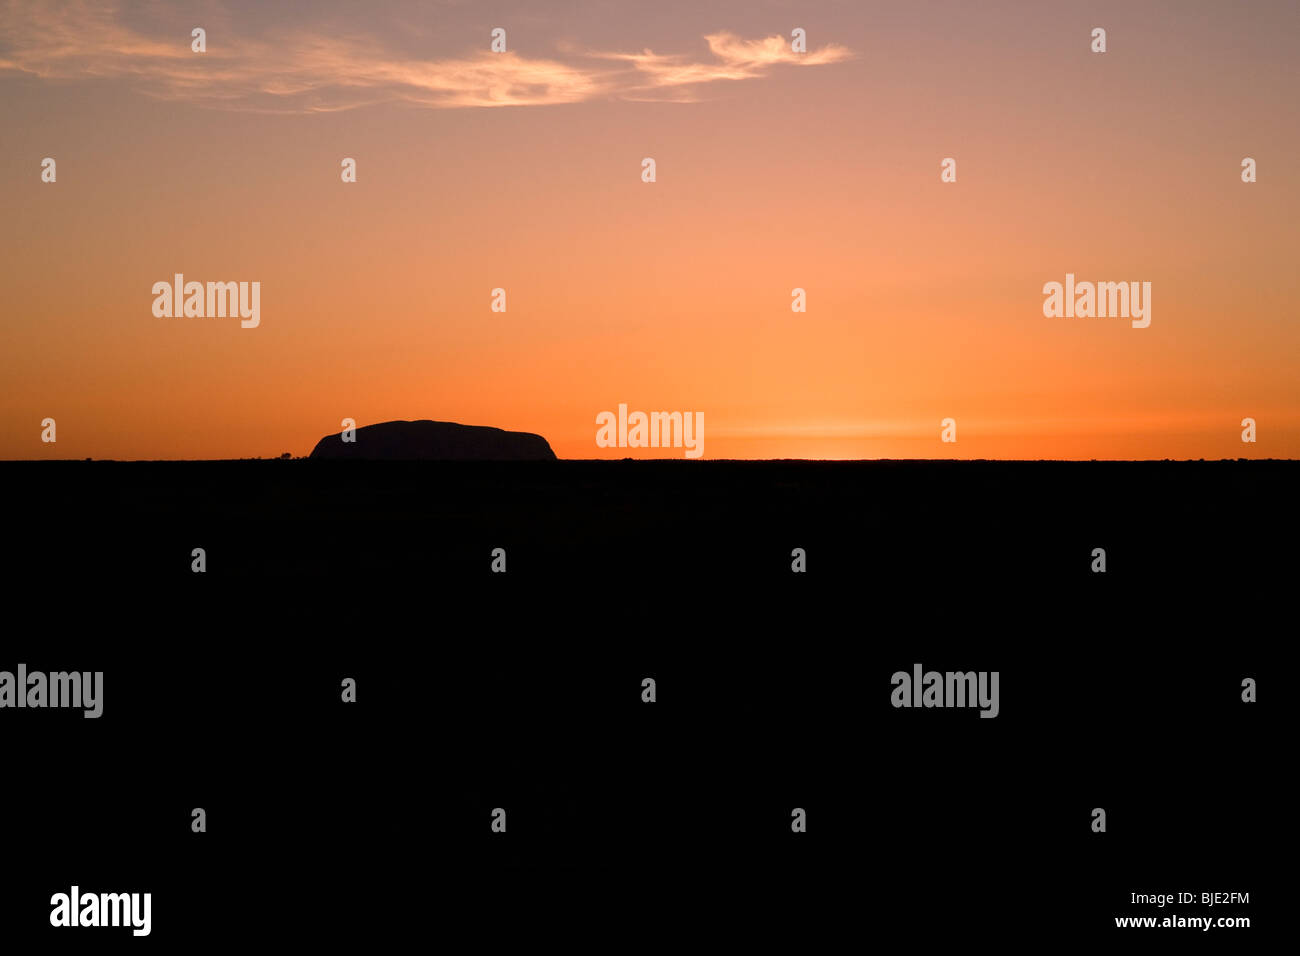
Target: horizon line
(130, 461)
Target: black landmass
(522, 690)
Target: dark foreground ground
(370, 822)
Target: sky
(774, 170)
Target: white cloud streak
(87, 40)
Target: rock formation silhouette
(426, 440)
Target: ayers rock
(434, 441)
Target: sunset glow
(522, 171)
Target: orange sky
(924, 298)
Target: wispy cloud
(734, 59)
(310, 72)
(678, 77)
